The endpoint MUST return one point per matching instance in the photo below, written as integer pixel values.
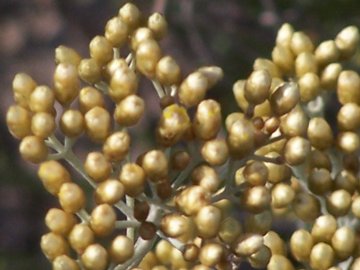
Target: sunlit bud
(295, 123)
(123, 83)
(42, 99)
(132, 176)
(89, 98)
(192, 199)
(305, 63)
(18, 121)
(22, 85)
(280, 262)
(347, 41)
(215, 152)
(168, 71)
(247, 244)
(309, 86)
(211, 254)
(343, 242)
(229, 230)
(72, 123)
(348, 117)
(327, 52)
(324, 228)
(64, 262)
(284, 35)
(206, 177)
(256, 199)
(121, 249)
(257, 87)
(338, 203)
(329, 76)
(129, 111)
(282, 195)
(117, 146)
(98, 124)
(148, 54)
(193, 89)
(212, 73)
(348, 142)
(66, 83)
(208, 221)
(95, 257)
(268, 65)
(101, 50)
(102, 220)
(89, 70)
(241, 139)
(43, 124)
(80, 237)
(174, 225)
(207, 120)
(33, 149)
(297, 149)
(130, 14)
(53, 245)
(71, 197)
(260, 258)
(348, 87)
(59, 221)
(97, 166)
(275, 243)
(283, 58)
(157, 23)
(322, 256)
(141, 34)
(300, 42)
(319, 133)
(109, 191)
(285, 98)
(64, 54)
(116, 32)
(155, 165)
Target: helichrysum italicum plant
(177, 206)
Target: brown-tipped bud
(320, 181)
(319, 133)
(207, 120)
(116, 32)
(285, 98)
(168, 71)
(141, 210)
(192, 199)
(66, 83)
(180, 160)
(132, 176)
(309, 86)
(349, 142)
(241, 140)
(116, 146)
(129, 111)
(296, 151)
(283, 58)
(124, 82)
(256, 173)
(102, 220)
(155, 165)
(110, 191)
(64, 54)
(97, 166)
(101, 50)
(306, 206)
(248, 244)
(89, 98)
(347, 41)
(301, 243)
(71, 197)
(98, 124)
(284, 35)
(324, 228)
(215, 152)
(174, 225)
(295, 123)
(344, 242)
(211, 254)
(173, 124)
(33, 149)
(208, 221)
(268, 65)
(53, 245)
(212, 73)
(193, 89)
(348, 87)
(322, 256)
(348, 117)
(327, 52)
(305, 63)
(42, 99)
(338, 203)
(95, 257)
(158, 25)
(329, 76)
(257, 87)
(18, 121)
(89, 70)
(282, 195)
(206, 177)
(121, 249)
(300, 42)
(148, 54)
(72, 123)
(23, 85)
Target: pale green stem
(102, 87)
(124, 224)
(116, 52)
(159, 90)
(130, 231)
(83, 215)
(174, 242)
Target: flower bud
(247, 244)
(192, 199)
(282, 195)
(329, 76)
(121, 249)
(260, 258)
(102, 220)
(305, 63)
(23, 85)
(206, 177)
(241, 139)
(18, 120)
(320, 181)
(348, 87)
(80, 237)
(283, 58)
(347, 41)
(168, 71)
(95, 257)
(296, 151)
(284, 35)
(338, 203)
(53, 175)
(148, 54)
(59, 221)
(116, 32)
(71, 197)
(322, 256)
(89, 70)
(327, 52)
(212, 73)
(300, 42)
(348, 142)
(215, 152)
(306, 206)
(348, 117)
(208, 221)
(324, 228)
(132, 176)
(309, 86)
(63, 262)
(285, 98)
(42, 99)
(43, 124)
(155, 165)
(72, 123)
(343, 242)
(130, 14)
(319, 133)
(211, 254)
(207, 119)
(141, 34)
(98, 124)
(257, 87)
(129, 111)
(124, 82)
(53, 245)
(110, 191)
(89, 98)
(280, 262)
(229, 230)
(97, 166)
(295, 123)
(193, 89)
(101, 50)
(268, 65)
(301, 243)
(64, 54)
(116, 146)
(66, 83)
(33, 149)
(157, 23)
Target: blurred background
(230, 33)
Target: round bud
(348, 86)
(116, 32)
(18, 121)
(191, 253)
(257, 87)
(42, 99)
(180, 160)
(306, 206)
(324, 228)
(348, 117)
(277, 172)
(211, 254)
(89, 70)
(33, 149)
(53, 175)
(192, 199)
(163, 251)
(129, 111)
(305, 62)
(147, 230)
(347, 41)
(282, 195)
(132, 176)
(110, 191)
(247, 244)
(168, 71)
(97, 166)
(72, 123)
(95, 257)
(301, 243)
(260, 258)
(309, 86)
(256, 173)
(64, 54)
(284, 98)
(130, 14)
(300, 42)
(112, 66)
(348, 142)
(59, 221)
(319, 159)
(98, 124)
(256, 199)
(89, 98)
(157, 23)
(284, 35)
(80, 237)
(327, 52)
(63, 262)
(295, 123)
(43, 124)
(174, 225)
(229, 230)
(141, 210)
(283, 58)
(66, 83)
(346, 180)
(215, 152)
(273, 241)
(241, 140)
(148, 54)
(343, 242)
(71, 197)
(121, 249)
(23, 85)
(279, 262)
(193, 89)
(338, 203)
(208, 221)
(320, 181)
(213, 74)
(207, 119)
(268, 65)
(102, 220)
(141, 34)
(53, 245)
(322, 256)
(123, 83)
(101, 50)
(116, 146)
(206, 177)
(329, 76)
(155, 165)
(296, 151)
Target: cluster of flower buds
(205, 196)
